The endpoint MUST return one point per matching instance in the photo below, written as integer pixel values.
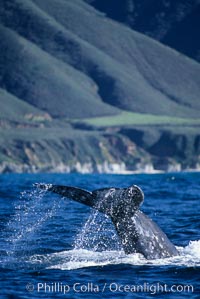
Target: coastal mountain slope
(15, 110)
(67, 59)
(174, 23)
(38, 78)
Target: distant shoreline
(88, 168)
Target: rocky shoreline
(110, 150)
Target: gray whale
(137, 232)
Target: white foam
(81, 258)
(193, 249)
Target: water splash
(189, 257)
(97, 235)
(30, 214)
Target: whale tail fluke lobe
(77, 194)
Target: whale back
(141, 234)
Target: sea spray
(30, 213)
(96, 235)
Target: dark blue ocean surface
(56, 248)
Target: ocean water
(52, 247)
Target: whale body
(137, 232)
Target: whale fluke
(77, 194)
(137, 232)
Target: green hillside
(72, 66)
(38, 78)
(130, 118)
(150, 75)
(13, 109)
